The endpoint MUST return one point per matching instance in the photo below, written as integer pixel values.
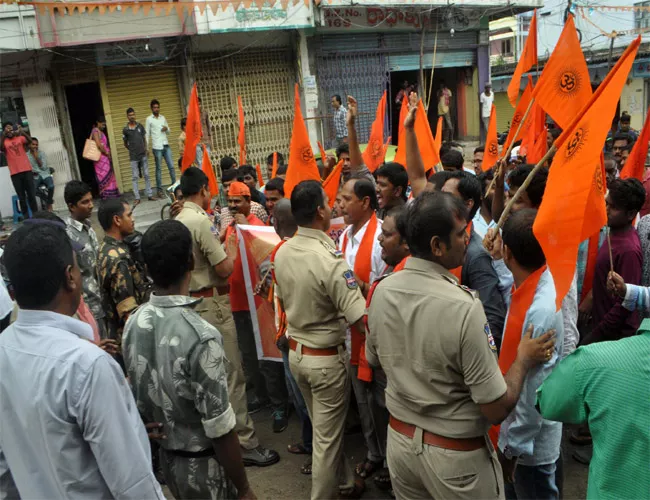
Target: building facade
(71, 63)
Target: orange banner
(491, 151)
(527, 60)
(373, 155)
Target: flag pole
(609, 244)
(522, 189)
(510, 146)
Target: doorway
(84, 102)
(398, 81)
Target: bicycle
(171, 198)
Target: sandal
(356, 491)
(367, 468)
(382, 480)
(581, 437)
(298, 449)
(306, 468)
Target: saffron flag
(635, 163)
(438, 138)
(336, 230)
(193, 131)
(255, 244)
(538, 149)
(527, 60)
(564, 86)
(518, 115)
(260, 178)
(206, 166)
(491, 151)
(400, 154)
(323, 153)
(241, 138)
(274, 167)
(302, 164)
(531, 129)
(427, 146)
(331, 184)
(573, 207)
(373, 155)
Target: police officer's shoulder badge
(350, 280)
(490, 337)
(336, 253)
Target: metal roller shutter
(404, 62)
(504, 110)
(264, 79)
(135, 88)
(362, 75)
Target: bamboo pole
(510, 146)
(522, 188)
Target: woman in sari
(103, 170)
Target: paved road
(284, 480)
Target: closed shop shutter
(264, 80)
(135, 88)
(363, 75)
(504, 110)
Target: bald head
(283, 221)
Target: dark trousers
(533, 483)
(24, 186)
(49, 184)
(265, 380)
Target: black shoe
(254, 407)
(280, 420)
(259, 456)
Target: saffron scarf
(520, 301)
(362, 268)
(401, 265)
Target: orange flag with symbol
(573, 207)
(518, 115)
(527, 60)
(491, 151)
(400, 155)
(192, 130)
(564, 86)
(302, 164)
(331, 184)
(373, 154)
(206, 166)
(427, 145)
(635, 163)
(241, 138)
(532, 128)
(323, 153)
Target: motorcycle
(41, 190)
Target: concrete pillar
(309, 90)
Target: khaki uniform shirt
(206, 247)
(431, 337)
(317, 288)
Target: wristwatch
(507, 452)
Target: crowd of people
(133, 359)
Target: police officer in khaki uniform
(432, 338)
(320, 298)
(212, 266)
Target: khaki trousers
(325, 385)
(418, 470)
(216, 311)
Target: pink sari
(104, 172)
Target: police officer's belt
(310, 351)
(209, 292)
(457, 444)
(209, 452)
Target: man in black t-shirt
(133, 136)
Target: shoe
(136, 202)
(280, 420)
(259, 456)
(254, 407)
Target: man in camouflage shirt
(122, 285)
(79, 199)
(177, 370)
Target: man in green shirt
(607, 385)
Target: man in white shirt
(362, 251)
(70, 425)
(487, 98)
(157, 135)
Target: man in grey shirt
(70, 425)
(133, 136)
